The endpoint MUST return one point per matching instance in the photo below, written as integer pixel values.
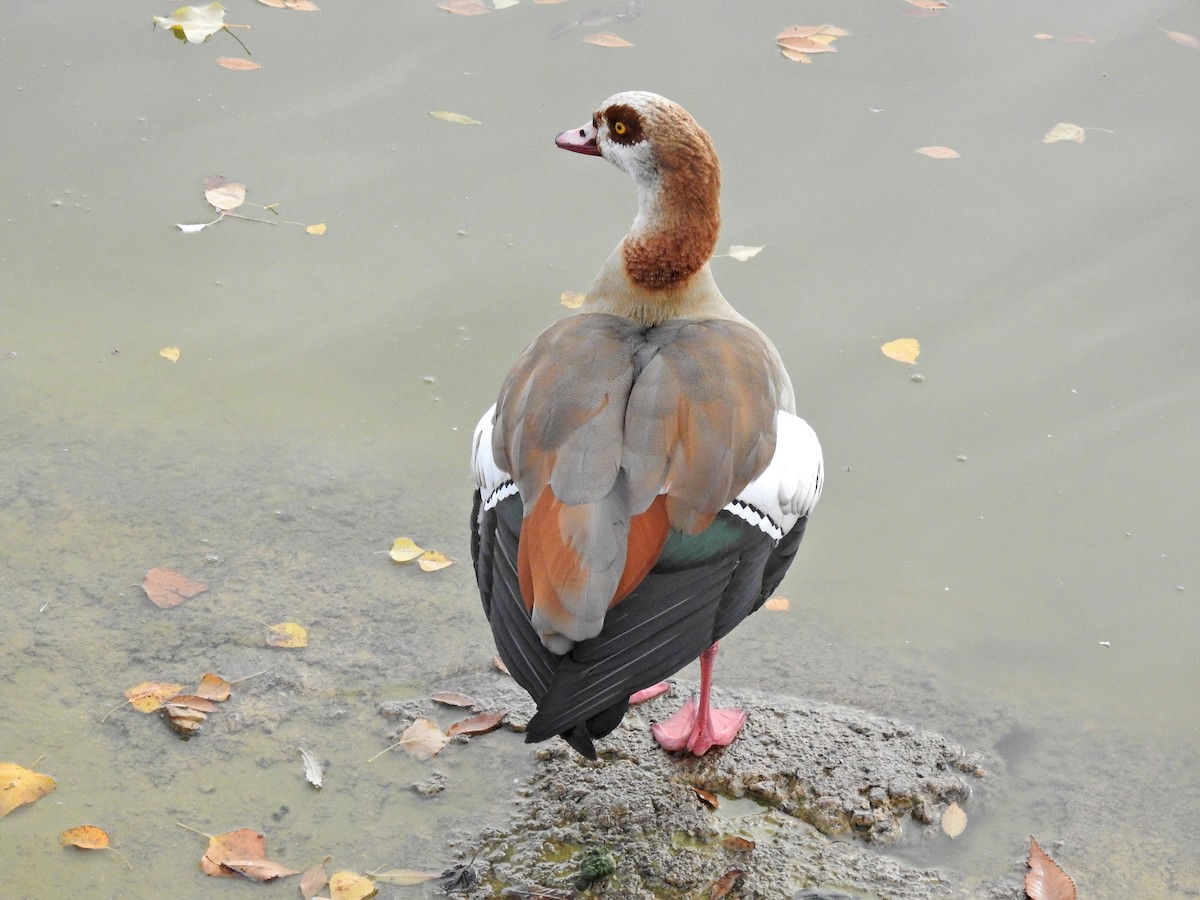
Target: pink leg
(697, 727)
(649, 693)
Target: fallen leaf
(287, 635)
(1042, 36)
(19, 786)
(404, 550)
(241, 843)
(737, 844)
(259, 869)
(1064, 131)
(572, 299)
(452, 699)
(312, 768)
(708, 798)
(808, 31)
(185, 713)
(316, 229)
(936, 152)
(314, 878)
(194, 24)
(222, 194)
(478, 724)
(778, 604)
(1078, 39)
(1183, 38)
(500, 666)
(795, 55)
(806, 45)
(504, 4)
(954, 820)
(742, 253)
(905, 350)
(423, 739)
(237, 64)
(150, 695)
(457, 118)
(298, 5)
(171, 353)
(349, 886)
(606, 40)
(1045, 879)
(405, 877)
(725, 884)
(464, 7)
(164, 587)
(192, 229)
(86, 837)
(214, 687)
(432, 560)
(928, 4)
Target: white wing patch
(790, 486)
(493, 483)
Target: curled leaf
(312, 768)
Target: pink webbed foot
(698, 733)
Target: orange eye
(620, 128)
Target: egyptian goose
(642, 481)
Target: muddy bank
(821, 791)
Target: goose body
(642, 481)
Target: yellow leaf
(777, 603)
(349, 886)
(905, 350)
(571, 299)
(954, 820)
(1064, 131)
(432, 560)
(606, 40)
(171, 353)
(19, 786)
(150, 695)
(86, 837)
(457, 118)
(316, 229)
(404, 550)
(936, 152)
(287, 634)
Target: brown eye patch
(624, 124)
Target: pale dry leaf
(433, 560)
(405, 550)
(170, 353)
(195, 24)
(795, 55)
(314, 879)
(316, 229)
(237, 64)
(929, 4)
(464, 7)
(1042, 36)
(406, 877)
(350, 886)
(456, 118)
(1045, 879)
(954, 820)
(742, 253)
(572, 299)
(806, 45)
(606, 40)
(1180, 37)
(905, 350)
(777, 604)
(423, 739)
(451, 698)
(312, 768)
(936, 152)
(1064, 131)
(224, 195)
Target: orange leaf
(240, 844)
(86, 837)
(150, 695)
(480, 724)
(19, 786)
(778, 604)
(726, 883)
(606, 40)
(936, 152)
(737, 844)
(1045, 879)
(214, 687)
(708, 798)
(166, 588)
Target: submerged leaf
(464, 7)
(1045, 879)
(954, 820)
(236, 64)
(350, 886)
(172, 354)
(164, 587)
(287, 634)
(1183, 38)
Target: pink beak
(579, 140)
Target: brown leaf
(1183, 38)
(151, 695)
(1045, 880)
(166, 588)
(480, 724)
(708, 798)
(185, 713)
(237, 64)
(737, 844)
(606, 40)
(500, 666)
(240, 844)
(314, 879)
(726, 883)
(214, 687)
(86, 837)
(936, 152)
(423, 739)
(452, 699)
(954, 820)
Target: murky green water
(1006, 548)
